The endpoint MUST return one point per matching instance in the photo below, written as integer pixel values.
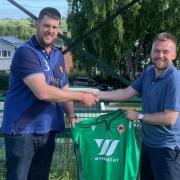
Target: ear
(174, 56)
(37, 23)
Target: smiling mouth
(48, 37)
(159, 62)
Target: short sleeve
(137, 84)
(25, 62)
(172, 97)
(140, 82)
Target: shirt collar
(165, 73)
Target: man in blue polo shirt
(34, 105)
(159, 87)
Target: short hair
(50, 12)
(164, 36)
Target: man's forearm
(117, 95)
(69, 109)
(46, 92)
(161, 118)
(165, 118)
(51, 93)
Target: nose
(50, 30)
(160, 54)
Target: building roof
(11, 40)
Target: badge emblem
(121, 128)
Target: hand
(73, 121)
(89, 99)
(131, 114)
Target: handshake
(89, 99)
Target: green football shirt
(106, 148)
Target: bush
(4, 78)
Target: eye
(55, 27)
(46, 26)
(165, 51)
(156, 51)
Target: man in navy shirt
(34, 106)
(159, 87)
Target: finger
(73, 122)
(72, 125)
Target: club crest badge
(121, 128)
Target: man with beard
(34, 105)
(159, 87)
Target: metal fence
(63, 166)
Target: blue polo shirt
(160, 94)
(23, 112)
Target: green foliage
(4, 78)
(84, 16)
(63, 25)
(115, 43)
(55, 176)
(22, 29)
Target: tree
(107, 42)
(154, 17)
(23, 29)
(125, 43)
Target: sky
(8, 10)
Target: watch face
(141, 116)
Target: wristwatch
(141, 117)
(73, 116)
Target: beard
(46, 42)
(160, 64)
(45, 39)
